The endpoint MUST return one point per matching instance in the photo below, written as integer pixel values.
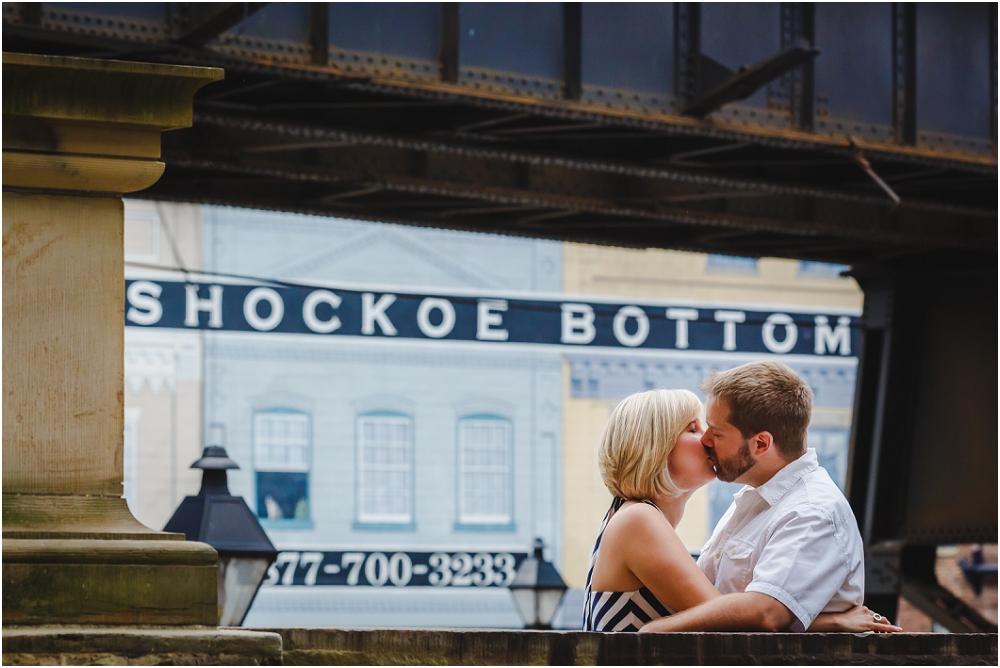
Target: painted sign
(319, 311)
(394, 569)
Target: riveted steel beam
(448, 45)
(319, 33)
(572, 45)
(304, 132)
(98, 27)
(198, 23)
(798, 30)
(993, 74)
(904, 71)
(687, 51)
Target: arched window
(385, 469)
(484, 471)
(282, 442)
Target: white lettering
(642, 326)
(832, 339)
(447, 317)
(487, 315)
(578, 324)
(729, 320)
(315, 298)
(193, 304)
(682, 316)
(144, 295)
(374, 311)
(791, 333)
(268, 295)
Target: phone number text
(394, 569)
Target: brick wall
(950, 576)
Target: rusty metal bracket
(858, 157)
(747, 80)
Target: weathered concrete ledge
(303, 647)
(69, 646)
(491, 648)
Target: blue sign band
(332, 312)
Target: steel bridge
(863, 134)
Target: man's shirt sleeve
(803, 565)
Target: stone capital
(79, 124)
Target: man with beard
(788, 548)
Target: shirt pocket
(734, 566)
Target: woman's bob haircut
(640, 435)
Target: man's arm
(749, 611)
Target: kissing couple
(786, 556)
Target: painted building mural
(412, 407)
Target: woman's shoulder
(640, 516)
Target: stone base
(86, 560)
(139, 646)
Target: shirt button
(718, 555)
(733, 552)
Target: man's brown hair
(765, 396)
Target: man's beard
(728, 470)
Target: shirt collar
(739, 494)
(775, 488)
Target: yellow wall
(659, 274)
(586, 499)
(163, 399)
(168, 441)
(163, 235)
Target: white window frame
(465, 470)
(380, 419)
(267, 461)
(822, 270)
(725, 264)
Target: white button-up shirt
(793, 538)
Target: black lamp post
(226, 523)
(537, 589)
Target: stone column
(77, 133)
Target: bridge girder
(304, 123)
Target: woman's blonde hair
(640, 435)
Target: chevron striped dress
(618, 610)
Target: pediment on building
(384, 256)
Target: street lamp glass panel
(548, 602)
(525, 600)
(239, 579)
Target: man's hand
(750, 611)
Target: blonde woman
(651, 459)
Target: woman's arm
(747, 611)
(856, 620)
(653, 553)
